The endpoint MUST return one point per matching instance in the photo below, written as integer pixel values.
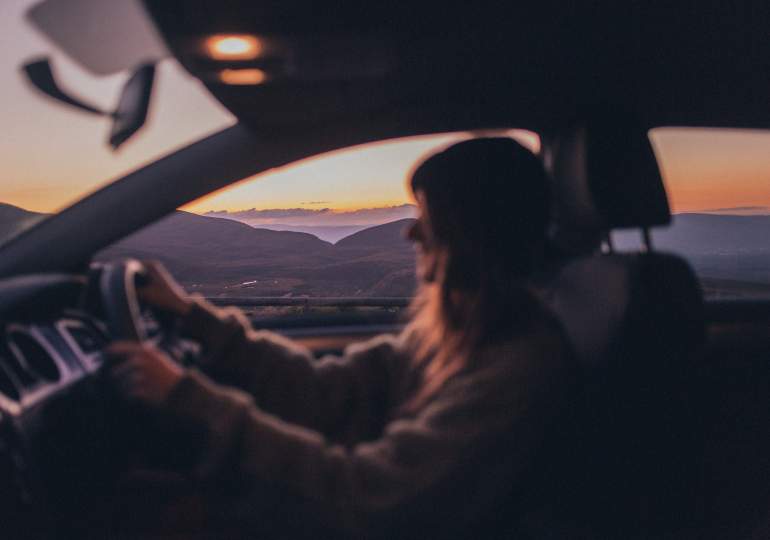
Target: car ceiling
(535, 67)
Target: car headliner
(548, 69)
(673, 63)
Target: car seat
(619, 464)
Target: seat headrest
(617, 304)
(624, 177)
(605, 177)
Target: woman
(423, 434)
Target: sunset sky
(708, 170)
(51, 155)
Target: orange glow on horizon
(361, 177)
(714, 169)
(704, 169)
(331, 207)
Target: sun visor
(103, 36)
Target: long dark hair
(488, 205)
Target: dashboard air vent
(7, 387)
(89, 341)
(15, 368)
(35, 360)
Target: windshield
(52, 155)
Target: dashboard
(63, 435)
(52, 333)
(50, 337)
(38, 359)
(65, 440)
(53, 329)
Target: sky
(719, 170)
(367, 176)
(51, 156)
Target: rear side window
(718, 183)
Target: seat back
(621, 461)
(619, 465)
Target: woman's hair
(487, 202)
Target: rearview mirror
(134, 103)
(131, 113)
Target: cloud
(269, 214)
(322, 217)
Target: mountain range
(708, 234)
(218, 256)
(223, 257)
(14, 219)
(325, 223)
(721, 248)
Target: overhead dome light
(242, 76)
(233, 47)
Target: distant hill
(202, 248)
(325, 223)
(709, 234)
(389, 235)
(721, 248)
(218, 256)
(221, 237)
(13, 219)
(328, 233)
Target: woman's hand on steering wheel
(141, 372)
(162, 292)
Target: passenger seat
(620, 464)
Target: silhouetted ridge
(222, 236)
(708, 234)
(384, 236)
(13, 219)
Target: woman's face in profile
(421, 234)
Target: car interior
(669, 437)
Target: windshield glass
(52, 155)
(320, 241)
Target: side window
(321, 237)
(718, 182)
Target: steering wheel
(117, 285)
(133, 426)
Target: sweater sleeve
(361, 488)
(333, 395)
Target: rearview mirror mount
(134, 103)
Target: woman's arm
(283, 377)
(443, 461)
(331, 395)
(336, 396)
